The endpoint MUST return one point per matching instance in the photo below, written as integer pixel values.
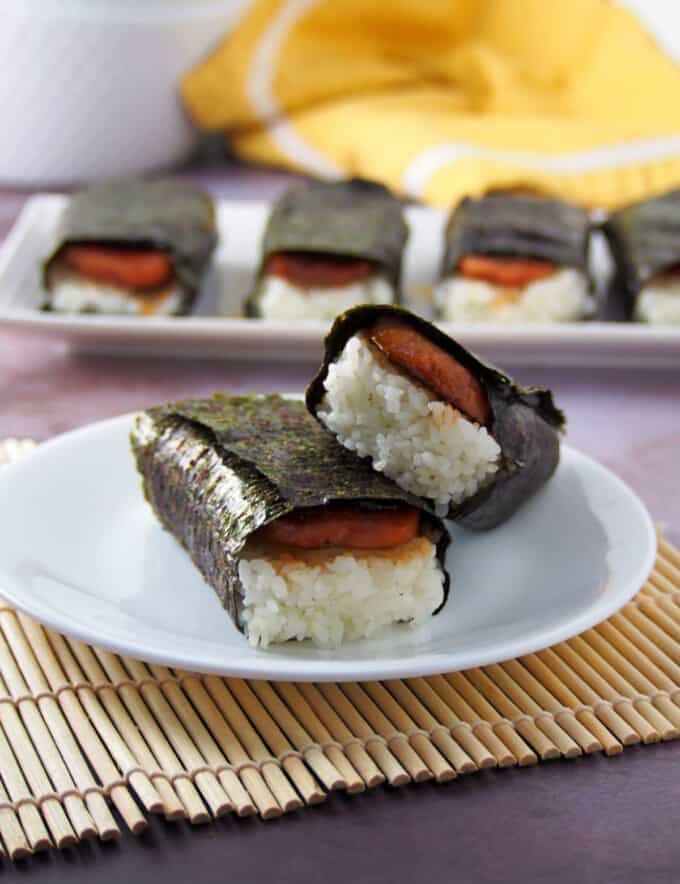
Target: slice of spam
(323, 271)
(435, 368)
(134, 269)
(337, 525)
(505, 271)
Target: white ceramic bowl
(89, 87)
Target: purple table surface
(593, 820)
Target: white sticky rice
(72, 293)
(280, 299)
(561, 297)
(425, 445)
(659, 303)
(335, 596)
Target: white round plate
(81, 551)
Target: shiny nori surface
(215, 470)
(644, 239)
(525, 420)
(353, 218)
(517, 225)
(172, 216)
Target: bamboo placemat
(83, 730)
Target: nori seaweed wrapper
(215, 470)
(520, 226)
(525, 420)
(171, 216)
(644, 239)
(353, 218)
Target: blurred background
(94, 88)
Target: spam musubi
(131, 246)
(328, 246)
(442, 424)
(296, 535)
(511, 257)
(645, 242)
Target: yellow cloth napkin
(443, 98)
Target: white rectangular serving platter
(215, 329)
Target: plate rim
(288, 669)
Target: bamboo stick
(257, 789)
(629, 681)
(653, 632)
(645, 652)
(436, 695)
(158, 742)
(376, 748)
(274, 776)
(656, 612)
(409, 715)
(669, 602)
(424, 715)
(606, 681)
(670, 607)
(357, 755)
(662, 584)
(590, 687)
(567, 746)
(207, 746)
(622, 672)
(13, 684)
(297, 703)
(12, 834)
(208, 784)
(97, 753)
(118, 748)
(557, 677)
(507, 708)
(58, 727)
(474, 708)
(13, 778)
(545, 700)
(668, 551)
(298, 736)
(278, 744)
(441, 699)
(32, 768)
(210, 748)
(398, 743)
(669, 570)
(172, 807)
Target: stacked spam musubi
(327, 523)
(132, 247)
(515, 258)
(644, 239)
(329, 246)
(298, 537)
